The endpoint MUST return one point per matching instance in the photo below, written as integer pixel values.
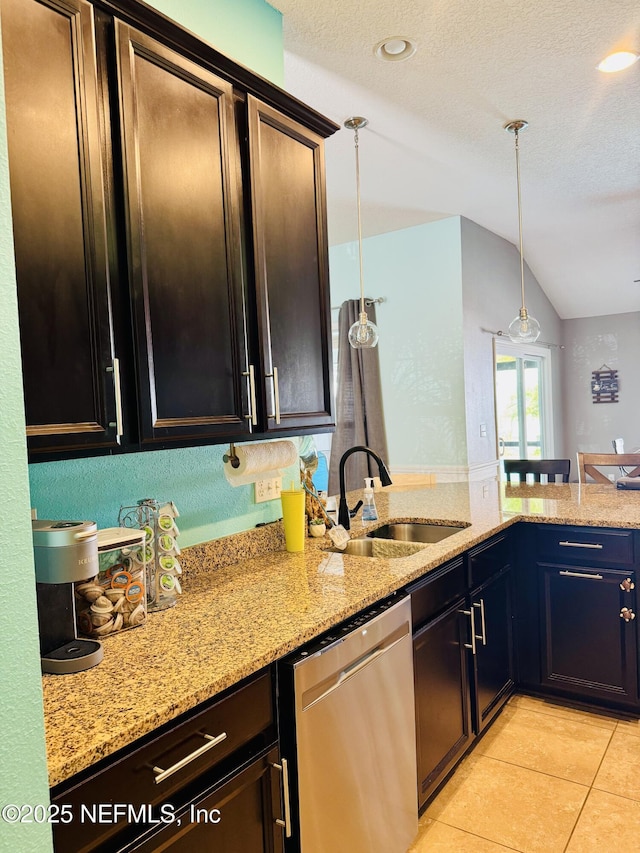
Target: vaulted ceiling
(435, 144)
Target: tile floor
(544, 779)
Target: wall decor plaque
(604, 385)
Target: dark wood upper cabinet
(182, 222)
(170, 236)
(59, 224)
(286, 163)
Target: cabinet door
(182, 205)
(239, 817)
(58, 224)
(443, 716)
(493, 674)
(589, 650)
(286, 164)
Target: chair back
(588, 464)
(550, 467)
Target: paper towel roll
(260, 461)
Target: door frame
(504, 347)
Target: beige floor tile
(513, 806)
(558, 746)
(620, 770)
(436, 837)
(632, 727)
(607, 823)
(544, 707)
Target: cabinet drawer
(431, 594)
(488, 559)
(585, 545)
(245, 718)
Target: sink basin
(385, 548)
(357, 548)
(415, 532)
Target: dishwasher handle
(354, 668)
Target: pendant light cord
(517, 136)
(357, 147)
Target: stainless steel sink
(357, 548)
(415, 531)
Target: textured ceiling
(435, 145)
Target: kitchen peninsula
(235, 619)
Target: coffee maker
(65, 552)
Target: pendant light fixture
(363, 334)
(524, 329)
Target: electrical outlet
(268, 490)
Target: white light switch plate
(268, 490)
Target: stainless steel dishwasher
(351, 736)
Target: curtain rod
(377, 301)
(501, 334)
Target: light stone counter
(247, 602)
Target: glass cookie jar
(116, 598)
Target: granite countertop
(247, 602)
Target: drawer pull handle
(594, 545)
(627, 585)
(588, 575)
(627, 614)
(212, 741)
(283, 767)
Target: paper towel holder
(231, 457)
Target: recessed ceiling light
(618, 61)
(395, 49)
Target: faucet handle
(353, 512)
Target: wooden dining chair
(588, 464)
(550, 467)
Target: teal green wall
(250, 31)
(192, 478)
(23, 770)
(419, 273)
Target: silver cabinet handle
(276, 394)
(252, 416)
(286, 823)
(592, 577)
(472, 644)
(115, 369)
(161, 774)
(482, 622)
(581, 545)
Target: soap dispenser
(369, 511)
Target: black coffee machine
(65, 552)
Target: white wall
(591, 342)
(491, 299)
(417, 271)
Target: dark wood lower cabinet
(238, 817)
(588, 633)
(443, 709)
(493, 662)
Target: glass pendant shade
(363, 334)
(524, 329)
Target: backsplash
(193, 478)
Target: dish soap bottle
(369, 511)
